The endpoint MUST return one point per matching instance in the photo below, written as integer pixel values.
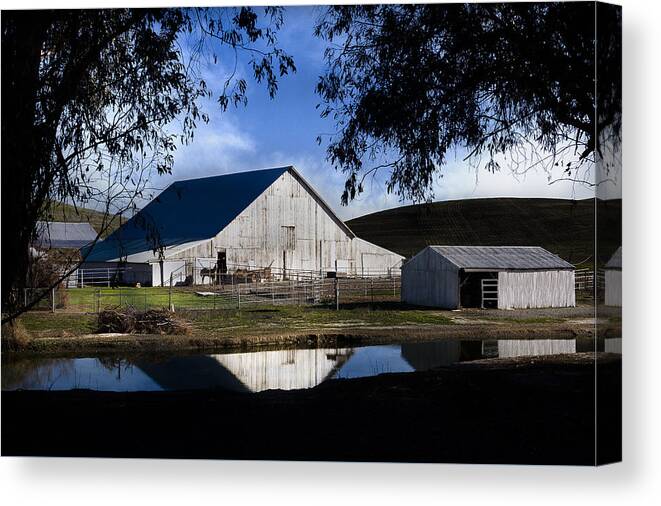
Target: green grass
(85, 299)
(46, 324)
(288, 318)
(250, 319)
(564, 227)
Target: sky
(283, 131)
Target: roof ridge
(283, 168)
(480, 246)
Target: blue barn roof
(186, 211)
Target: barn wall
(428, 279)
(176, 268)
(262, 236)
(527, 347)
(613, 280)
(532, 289)
(284, 369)
(373, 260)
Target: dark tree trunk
(24, 148)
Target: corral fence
(107, 277)
(235, 292)
(587, 279)
(238, 294)
(197, 273)
(243, 289)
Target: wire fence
(236, 292)
(42, 299)
(243, 289)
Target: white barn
(506, 277)
(613, 279)
(250, 220)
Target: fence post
(52, 294)
(170, 294)
(393, 286)
(238, 293)
(372, 289)
(25, 297)
(108, 276)
(82, 278)
(337, 295)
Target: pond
(260, 370)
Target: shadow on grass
(376, 306)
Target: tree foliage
(407, 84)
(93, 101)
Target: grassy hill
(564, 227)
(65, 212)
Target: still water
(259, 370)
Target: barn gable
(615, 261)
(290, 227)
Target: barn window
(288, 237)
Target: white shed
(63, 235)
(613, 279)
(488, 276)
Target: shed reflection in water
(258, 371)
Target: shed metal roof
(502, 257)
(58, 234)
(615, 261)
(192, 210)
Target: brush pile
(130, 321)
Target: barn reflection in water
(263, 370)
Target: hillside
(65, 212)
(564, 227)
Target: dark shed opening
(471, 289)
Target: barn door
(222, 262)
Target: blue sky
(283, 131)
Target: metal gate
(489, 291)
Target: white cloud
(460, 181)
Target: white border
(636, 481)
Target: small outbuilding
(63, 235)
(505, 277)
(613, 279)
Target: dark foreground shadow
(529, 412)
